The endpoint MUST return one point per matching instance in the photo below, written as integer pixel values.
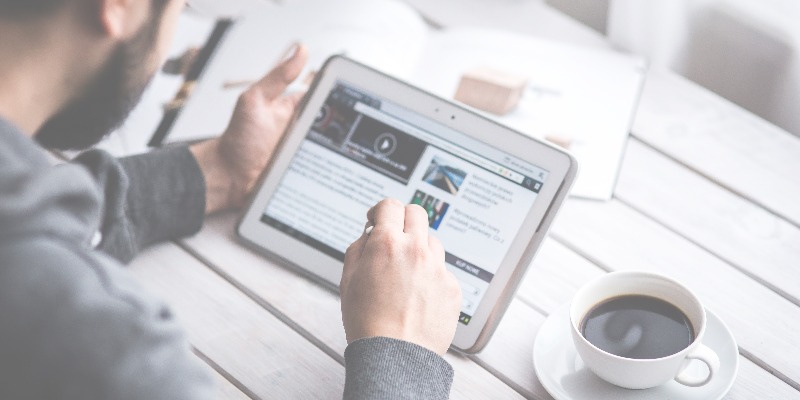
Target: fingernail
(289, 53)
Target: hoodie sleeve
(147, 198)
(385, 368)
(75, 325)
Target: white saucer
(565, 376)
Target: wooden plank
(314, 309)
(556, 274)
(742, 233)
(260, 351)
(618, 238)
(510, 358)
(722, 141)
(472, 381)
(227, 390)
(755, 383)
(510, 352)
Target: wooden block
(560, 140)
(491, 90)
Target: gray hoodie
(75, 325)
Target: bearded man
(73, 323)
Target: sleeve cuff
(385, 368)
(167, 194)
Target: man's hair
(34, 8)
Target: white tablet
(361, 136)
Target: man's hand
(395, 283)
(232, 163)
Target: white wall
(593, 13)
(745, 50)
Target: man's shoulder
(53, 290)
(54, 271)
(72, 316)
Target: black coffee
(637, 326)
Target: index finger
(416, 220)
(389, 214)
(276, 81)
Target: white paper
(132, 137)
(585, 94)
(387, 35)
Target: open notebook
(585, 94)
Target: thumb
(293, 99)
(275, 82)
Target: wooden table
(708, 194)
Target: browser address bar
(447, 146)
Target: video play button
(385, 144)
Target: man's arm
(147, 199)
(384, 360)
(400, 308)
(386, 368)
(232, 163)
(77, 326)
(165, 194)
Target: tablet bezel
(561, 166)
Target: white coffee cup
(642, 373)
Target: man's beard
(108, 99)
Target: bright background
(744, 50)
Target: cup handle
(706, 355)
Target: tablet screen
(362, 149)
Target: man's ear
(120, 19)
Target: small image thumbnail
(334, 120)
(435, 208)
(443, 176)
